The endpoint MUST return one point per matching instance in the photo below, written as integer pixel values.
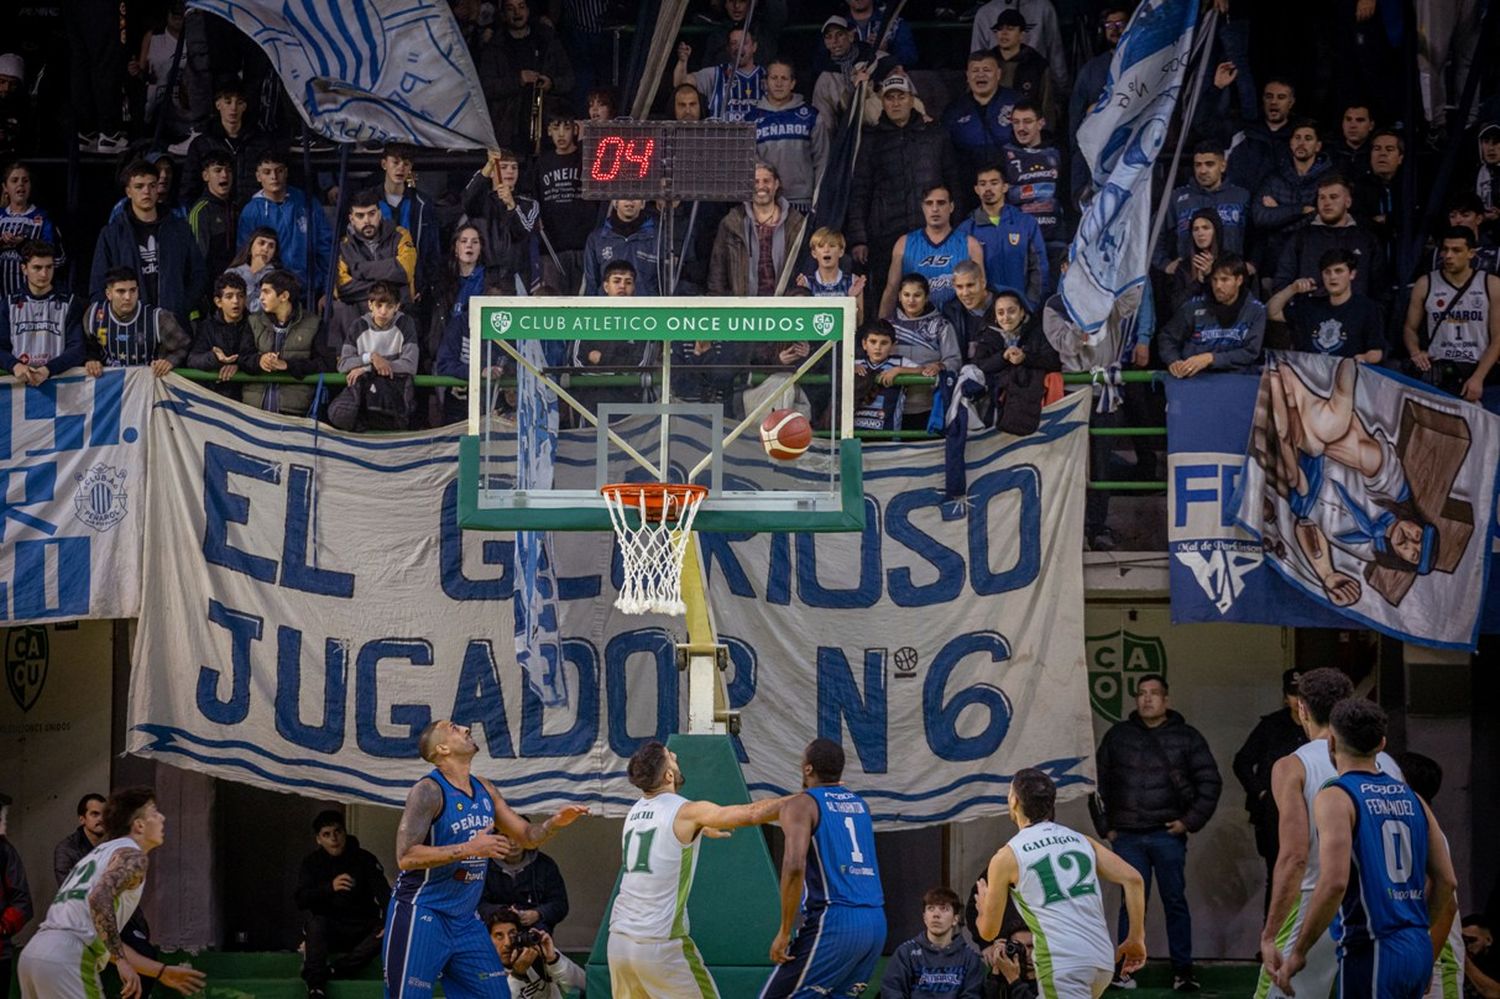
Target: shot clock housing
(673, 160)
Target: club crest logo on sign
(26, 664)
(823, 323)
(500, 321)
(101, 496)
(1117, 661)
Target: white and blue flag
(1120, 139)
(538, 644)
(370, 70)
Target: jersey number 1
(855, 853)
(642, 863)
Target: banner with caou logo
(311, 603)
(73, 460)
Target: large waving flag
(370, 70)
(1120, 139)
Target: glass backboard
(568, 394)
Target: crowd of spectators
(1285, 226)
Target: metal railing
(646, 379)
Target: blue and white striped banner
(72, 492)
(1120, 139)
(370, 70)
(310, 603)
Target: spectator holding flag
(732, 89)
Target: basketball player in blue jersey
(828, 872)
(1383, 867)
(453, 825)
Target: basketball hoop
(651, 551)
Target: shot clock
(674, 160)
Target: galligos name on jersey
(1047, 841)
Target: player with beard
(454, 823)
(651, 955)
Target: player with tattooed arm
(453, 825)
(81, 933)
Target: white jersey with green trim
(1058, 893)
(1448, 971)
(70, 906)
(657, 872)
(1317, 770)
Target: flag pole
(1211, 22)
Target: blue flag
(1120, 138)
(370, 70)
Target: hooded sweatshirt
(919, 969)
(921, 341)
(794, 141)
(1232, 205)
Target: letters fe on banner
(317, 590)
(73, 461)
(1374, 495)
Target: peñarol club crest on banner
(26, 663)
(1116, 661)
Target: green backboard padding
(735, 907)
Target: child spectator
(122, 331)
(378, 358)
(937, 961)
(258, 256)
(1339, 321)
(1015, 356)
(223, 336)
(21, 222)
(925, 340)
(877, 401)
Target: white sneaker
(181, 148)
(88, 142)
(113, 143)
(1123, 981)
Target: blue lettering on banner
(328, 735)
(243, 629)
(479, 700)
(948, 563)
(1219, 492)
(618, 654)
(840, 703)
(866, 590)
(417, 652)
(1025, 481)
(942, 718)
(457, 586)
(579, 737)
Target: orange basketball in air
(785, 434)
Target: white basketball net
(652, 553)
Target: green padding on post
(735, 906)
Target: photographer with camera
(536, 968)
(1008, 958)
(937, 962)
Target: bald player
(454, 823)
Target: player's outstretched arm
(126, 870)
(1442, 882)
(797, 818)
(530, 834)
(992, 891)
(1287, 780)
(1333, 811)
(697, 815)
(1113, 868)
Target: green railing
(333, 380)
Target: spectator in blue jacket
(1015, 256)
(978, 123)
(1208, 189)
(1223, 330)
(628, 234)
(1287, 201)
(158, 247)
(299, 224)
(1263, 144)
(938, 961)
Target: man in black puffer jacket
(903, 156)
(342, 892)
(1159, 782)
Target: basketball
(785, 434)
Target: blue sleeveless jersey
(935, 262)
(1388, 860)
(452, 889)
(841, 867)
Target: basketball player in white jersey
(81, 933)
(1458, 308)
(651, 955)
(1296, 780)
(1053, 873)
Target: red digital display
(615, 154)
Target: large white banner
(73, 464)
(311, 604)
